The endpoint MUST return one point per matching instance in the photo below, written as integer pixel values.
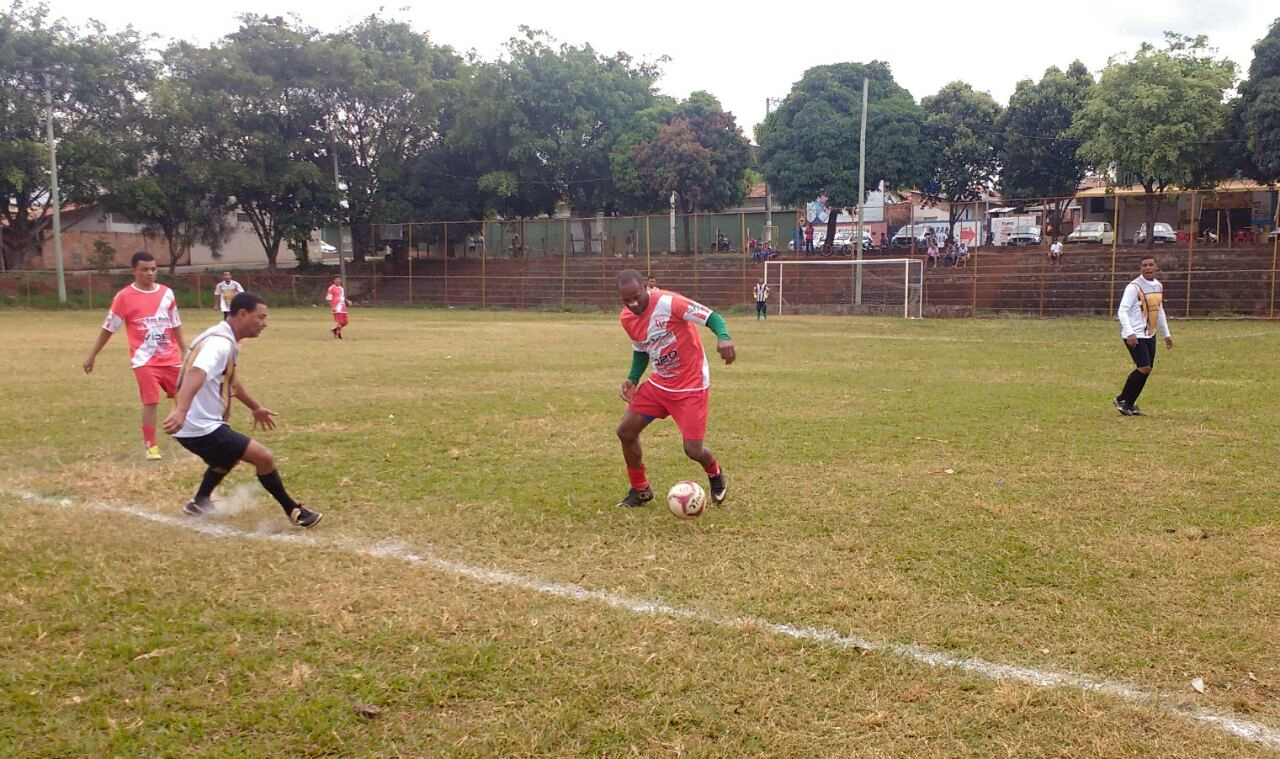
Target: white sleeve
(213, 355)
(1127, 302)
(1163, 323)
(239, 287)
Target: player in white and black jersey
(206, 387)
(1141, 314)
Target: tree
(260, 92)
(1259, 107)
(809, 145)
(96, 80)
(569, 105)
(700, 154)
(1154, 116)
(173, 189)
(393, 93)
(960, 125)
(1037, 150)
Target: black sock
(210, 481)
(1132, 386)
(271, 481)
(1139, 383)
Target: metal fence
(1199, 281)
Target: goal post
(890, 286)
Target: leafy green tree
(393, 96)
(172, 189)
(1259, 107)
(809, 144)
(1154, 116)
(700, 154)
(569, 106)
(96, 80)
(961, 127)
(261, 95)
(1037, 150)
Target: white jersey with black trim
(1141, 311)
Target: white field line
(1255, 732)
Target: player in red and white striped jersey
(149, 313)
(663, 327)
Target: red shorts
(340, 317)
(689, 410)
(153, 379)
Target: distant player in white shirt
(1055, 252)
(1141, 313)
(199, 421)
(226, 289)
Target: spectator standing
(808, 238)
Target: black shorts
(221, 449)
(1144, 353)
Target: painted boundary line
(1255, 732)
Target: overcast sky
(743, 52)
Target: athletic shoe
(637, 497)
(153, 453)
(1135, 411)
(718, 488)
(1122, 407)
(304, 517)
(196, 508)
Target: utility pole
(337, 186)
(57, 202)
(673, 221)
(862, 166)
(768, 194)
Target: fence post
(648, 246)
(974, 276)
(199, 288)
(1115, 238)
(446, 275)
(90, 276)
(564, 262)
(483, 284)
(742, 223)
(1274, 245)
(1191, 246)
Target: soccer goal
(871, 286)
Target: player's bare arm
(726, 351)
(182, 344)
(103, 337)
(628, 390)
(191, 384)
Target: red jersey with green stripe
(668, 332)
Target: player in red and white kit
(663, 327)
(149, 314)
(336, 297)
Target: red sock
(639, 480)
(148, 435)
(714, 469)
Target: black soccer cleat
(1123, 407)
(636, 498)
(1135, 411)
(718, 489)
(198, 508)
(304, 517)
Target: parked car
(1163, 233)
(819, 237)
(1095, 232)
(1024, 236)
(843, 241)
(326, 248)
(902, 238)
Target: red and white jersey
(149, 319)
(668, 332)
(337, 298)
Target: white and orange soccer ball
(686, 499)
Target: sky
(746, 52)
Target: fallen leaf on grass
(1253, 677)
(1198, 685)
(932, 439)
(368, 711)
(153, 654)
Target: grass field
(964, 486)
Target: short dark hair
(245, 301)
(630, 275)
(141, 255)
(1144, 258)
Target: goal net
(885, 286)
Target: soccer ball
(686, 499)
